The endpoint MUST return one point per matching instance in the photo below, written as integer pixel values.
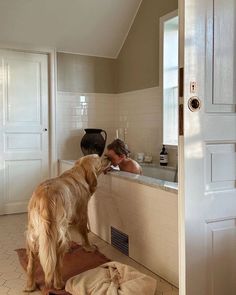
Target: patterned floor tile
(12, 276)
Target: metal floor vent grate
(120, 241)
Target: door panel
(22, 91)
(220, 61)
(23, 127)
(20, 179)
(209, 153)
(31, 142)
(220, 166)
(223, 51)
(221, 236)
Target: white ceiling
(91, 27)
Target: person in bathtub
(118, 153)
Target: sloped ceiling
(90, 27)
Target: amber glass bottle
(164, 156)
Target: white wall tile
(140, 114)
(137, 115)
(77, 111)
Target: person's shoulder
(135, 166)
(135, 162)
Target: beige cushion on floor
(112, 278)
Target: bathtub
(145, 210)
(159, 172)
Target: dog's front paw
(30, 288)
(90, 248)
(59, 285)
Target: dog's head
(92, 166)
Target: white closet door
(23, 127)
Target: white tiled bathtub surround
(140, 119)
(140, 114)
(77, 111)
(135, 117)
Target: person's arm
(111, 168)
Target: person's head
(117, 151)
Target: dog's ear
(89, 164)
(91, 179)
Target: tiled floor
(12, 276)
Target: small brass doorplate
(194, 104)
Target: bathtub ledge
(158, 183)
(161, 184)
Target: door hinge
(181, 82)
(181, 106)
(181, 119)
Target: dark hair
(119, 147)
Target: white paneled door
(209, 198)
(23, 127)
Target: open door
(208, 148)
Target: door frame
(181, 180)
(162, 21)
(52, 96)
(180, 148)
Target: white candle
(117, 133)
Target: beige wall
(138, 61)
(137, 66)
(89, 74)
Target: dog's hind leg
(30, 285)
(58, 282)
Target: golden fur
(55, 204)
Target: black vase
(93, 142)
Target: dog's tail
(52, 237)
(47, 244)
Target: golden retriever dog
(55, 205)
